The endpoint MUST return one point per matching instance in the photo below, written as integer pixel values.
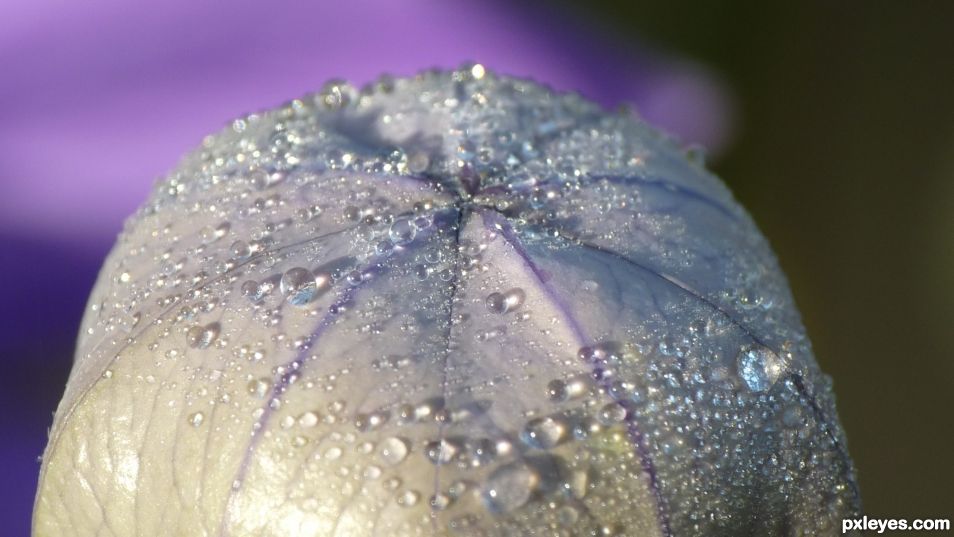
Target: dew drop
(200, 337)
(240, 249)
(196, 419)
(477, 71)
(308, 419)
(567, 515)
(556, 390)
(408, 498)
(337, 407)
(427, 409)
(262, 179)
(577, 386)
(586, 428)
(612, 413)
(760, 368)
(211, 234)
(509, 487)
(501, 303)
(503, 447)
(458, 488)
(402, 231)
(300, 286)
(480, 452)
(370, 421)
(287, 422)
(591, 354)
(372, 472)
(441, 451)
(562, 390)
(256, 291)
(543, 433)
(440, 501)
(336, 94)
(418, 162)
(353, 278)
(249, 289)
(393, 450)
(259, 387)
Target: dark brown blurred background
(844, 153)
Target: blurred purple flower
(99, 98)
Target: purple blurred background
(98, 99)
(832, 122)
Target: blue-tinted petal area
(670, 359)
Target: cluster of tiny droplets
(462, 304)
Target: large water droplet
(300, 286)
(760, 368)
(543, 433)
(418, 162)
(393, 450)
(308, 419)
(509, 487)
(612, 413)
(402, 231)
(556, 390)
(441, 451)
(240, 249)
(505, 302)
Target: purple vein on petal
(147, 324)
(495, 222)
(796, 377)
(445, 360)
(344, 297)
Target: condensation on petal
(454, 304)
